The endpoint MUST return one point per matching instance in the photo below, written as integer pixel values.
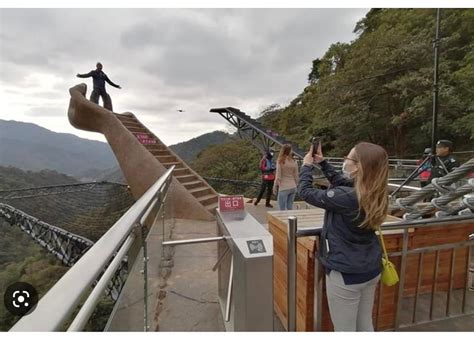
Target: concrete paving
(191, 290)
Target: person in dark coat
(356, 204)
(446, 162)
(98, 79)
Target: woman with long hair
(356, 204)
(286, 178)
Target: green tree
(238, 160)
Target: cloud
(46, 111)
(165, 59)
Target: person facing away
(356, 204)
(267, 168)
(99, 78)
(446, 163)
(286, 178)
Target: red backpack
(268, 174)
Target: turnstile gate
(245, 272)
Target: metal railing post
(145, 277)
(318, 291)
(471, 267)
(229, 290)
(401, 284)
(163, 219)
(292, 228)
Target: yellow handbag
(389, 272)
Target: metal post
(229, 290)
(194, 241)
(145, 278)
(471, 278)
(434, 126)
(471, 266)
(318, 294)
(401, 284)
(163, 217)
(292, 228)
(221, 258)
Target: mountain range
(28, 146)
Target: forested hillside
(21, 259)
(378, 88)
(13, 178)
(188, 150)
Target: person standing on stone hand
(99, 79)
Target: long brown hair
(371, 183)
(285, 153)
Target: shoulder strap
(383, 244)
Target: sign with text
(145, 139)
(231, 203)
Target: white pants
(350, 306)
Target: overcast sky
(164, 59)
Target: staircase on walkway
(187, 177)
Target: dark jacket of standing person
(448, 163)
(267, 168)
(344, 246)
(99, 78)
(355, 204)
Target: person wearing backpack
(267, 167)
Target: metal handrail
(426, 222)
(89, 305)
(57, 305)
(401, 163)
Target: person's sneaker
(255, 203)
(268, 205)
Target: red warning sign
(231, 203)
(145, 139)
